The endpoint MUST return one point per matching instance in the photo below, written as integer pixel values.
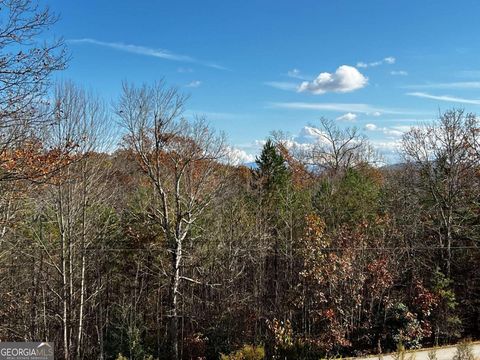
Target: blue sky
(254, 66)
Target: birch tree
(74, 203)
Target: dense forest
(153, 245)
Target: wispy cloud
(146, 51)
(217, 115)
(347, 117)
(194, 84)
(447, 98)
(388, 60)
(399, 72)
(282, 85)
(342, 107)
(449, 85)
(394, 131)
(297, 74)
(468, 73)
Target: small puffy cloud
(347, 117)
(345, 79)
(194, 84)
(399, 73)
(370, 127)
(376, 113)
(388, 60)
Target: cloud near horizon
(237, 156)
(392, 131)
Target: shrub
(432, 354)
(248, 352)
(464, 352)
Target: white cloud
(296, 74)
(404, 128)
(345, 79)
(451, 85)
(194, 84)
(343, 107)
(394, 131)
(469, 73)
(376, 113)
(347, 117)
(218, 115)
(399, 72)
(388, 60)
(282, 85)
(146, 51)
(239, 157)
(447, 98)
(309, 135)
(293, 73)
(386, 147)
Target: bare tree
(180, 160)
(25, 68)
(338, 149)
(445, 155)
(74, 203)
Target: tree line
(155, 246)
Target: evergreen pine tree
(272, 170)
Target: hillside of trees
(157, 247)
